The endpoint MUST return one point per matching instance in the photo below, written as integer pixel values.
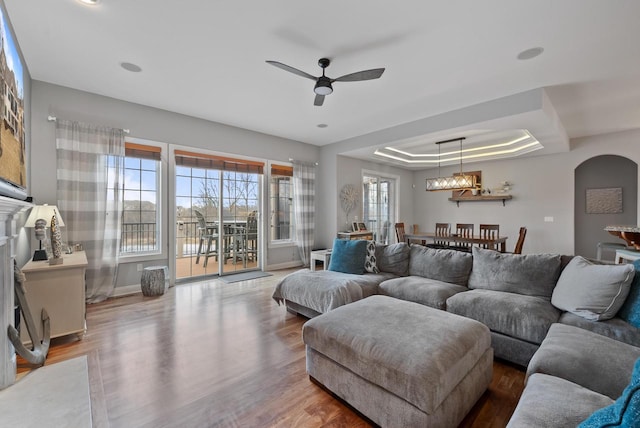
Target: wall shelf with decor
(472, 198)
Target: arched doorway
(598, 177)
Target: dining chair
(235, 243)
(520, 243)
(400, 234)
(206, 234)
(489, 231)
(464, 230)
(442, 229)
(415, 229)
(252, 236)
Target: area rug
(50, 396)
(244, 276)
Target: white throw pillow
(593, 291)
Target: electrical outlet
(355, 217)
(548, 219)
(139, 266)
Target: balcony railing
(138, 238)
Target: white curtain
(304, 177)
(90, 167)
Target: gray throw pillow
(393, 258)
(593, 291)
(531, 274)
(442, 265)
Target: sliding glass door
(217, 215)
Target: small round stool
(155, 280)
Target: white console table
(60, 289)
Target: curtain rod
(53, 119)
(291, 160)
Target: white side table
(323, 256)
(630, 255)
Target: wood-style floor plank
(211, 354)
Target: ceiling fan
(323, 83)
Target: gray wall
(543, 187)
(150, 124)
(605, 171)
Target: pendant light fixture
(459, 181)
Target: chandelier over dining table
(459, 181)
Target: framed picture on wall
(354, 226)
(362, 227)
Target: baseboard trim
(286, 265)
(126, 290)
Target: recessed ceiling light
(131, 67)
(90, 2)
(530, 53)
(322, 125)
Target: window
(281, 203)
(379, 205)
(140, 200)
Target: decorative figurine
(56, 242)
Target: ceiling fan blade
(319, 100)
(290, 69)
(360, 75)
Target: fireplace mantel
(8, 232)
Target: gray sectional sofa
(552, 313)
(510, 294)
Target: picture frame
(354, 226)
(362, 227)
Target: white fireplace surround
(8, 233)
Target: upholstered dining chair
(206, 234)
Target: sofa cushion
(429, 292)
(630, 310)
(370, 262)
(544, 403)
(348, 256)
(576, 355)
(625, 412)
(393, 258)
(531, 274)
(443, 265)
(615, 328)
(593, 291)
(523, 317)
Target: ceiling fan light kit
(323, 84)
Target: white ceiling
(207, 59)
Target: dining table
(499, 243)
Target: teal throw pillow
(348, 256)
(630, 311)
(625, 412)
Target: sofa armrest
(593, 361)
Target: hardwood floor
(211, 354)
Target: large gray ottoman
(399, 363)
